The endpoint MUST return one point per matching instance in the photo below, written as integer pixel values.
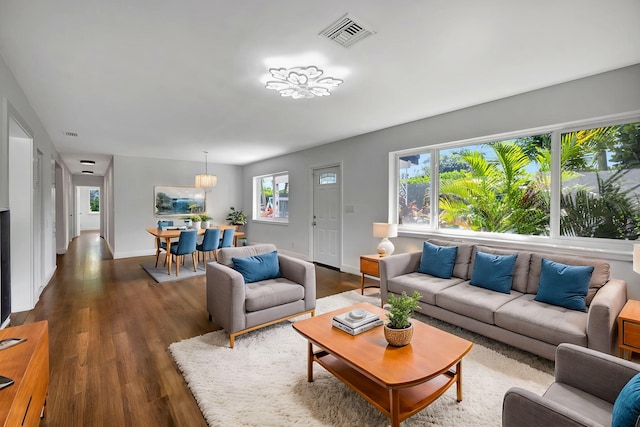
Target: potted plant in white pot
(206, 220)
(398, 330)
(195, 221)
(236, 217)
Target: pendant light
(204, 180)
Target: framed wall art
(178, 201)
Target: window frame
(257, 185)
(616, 248)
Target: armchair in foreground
(241, 306)
(587, 384)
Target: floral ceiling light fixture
(301, 82)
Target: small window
(94, 200)
(328, 178)
(271, 197)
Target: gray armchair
(241, 308)
(587, 383)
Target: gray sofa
(586, 386)
(240, 308)
(513, 318)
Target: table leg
(157, 250)
(362, 284)
(169, 255)
(459, 381)
(310, 364)
(394, 397)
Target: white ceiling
(169, 79)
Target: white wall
(133, 204)
(365, 160)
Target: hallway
(109, 328)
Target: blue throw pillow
(564, 285)
(626, 408)
(438, 260)
(493, 272)
(259, 267)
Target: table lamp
(636, 258)
(384, 230)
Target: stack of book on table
(356, 321)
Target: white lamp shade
(382, 229)
(206, 181)
(636, 258)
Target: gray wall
(365, 160)
(15, 103)
(133, 182)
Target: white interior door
(326, 216)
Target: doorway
(88, 201)
(327, 219)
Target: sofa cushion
(437, 261)
(428, 286)
(258, 267)
(473, 301)
(494, 272)
(225, 254)
(564, 285)
(626, 408)
(271, 293)
(545, 322)
(521, 270)
(599, 277)
(463, 258)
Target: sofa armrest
(598, 374)
(396, 265)
(301, 272)
(602, 320)
(225, 296)
(522, 408)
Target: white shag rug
(263, 380)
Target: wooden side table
(369, 265)
(629, 328)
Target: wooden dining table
(175, 233)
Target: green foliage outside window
(504, 186)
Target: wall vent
(346, 31)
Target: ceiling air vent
(346, 31)
(72, 134)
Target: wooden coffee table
(398, 381)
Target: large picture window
(271, 197)
(507, 185)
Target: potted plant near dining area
(237, 218)
(399, 330)
(206, 221)
(196, 220)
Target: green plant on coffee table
(236, 217)
(195, 218)
(205, 217)
(402, 307)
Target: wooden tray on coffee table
(398, 381)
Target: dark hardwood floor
(109, 328)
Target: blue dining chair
(227, 239)
(186, 245)
(210, 242)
